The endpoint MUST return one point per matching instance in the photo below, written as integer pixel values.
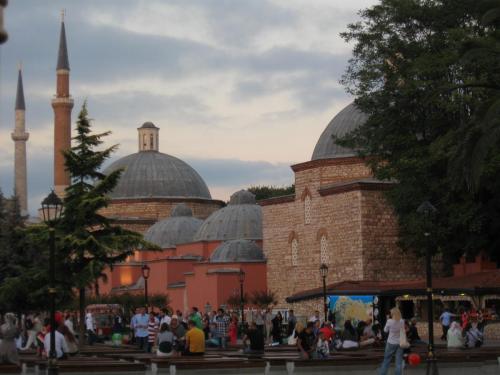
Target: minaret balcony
(20, 136)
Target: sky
(241, 89)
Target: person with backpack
(165, 341)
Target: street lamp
(323, 271)
(52, 210)
(242, 302)
(427, 210)
(145, 275)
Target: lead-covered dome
(347, 120)
(179, 228)
(152, 174)
(240, 219)
(237, 251)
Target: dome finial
(148, 137)
(63, 13)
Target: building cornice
(277, 200)
(326, 162)
(373, 185)
(165, 199)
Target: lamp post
(145, 275)
(428, 210)
(242, 302)
(51, 210)
(323, 271)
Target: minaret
(19, 136)
(62, 104)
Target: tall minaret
(19, 136)
(62, 104)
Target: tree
(264, 299)
(234, 300)
(425, 98)
(90, 241)
(265, 192)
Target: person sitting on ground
(349, 336)
(413, 336)
(165, 341)
(454, 336)
(71, 341)
(322, 346)
(473, 336)
(306, 342)
(8, 334)
(211, 339)
(195, 340)
(255, 339)
(61, 346)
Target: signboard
(354, 308)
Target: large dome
(152, 174)
(343, 123)
(237, 251)
(240, 219)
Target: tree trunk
(81, 326)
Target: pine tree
(90, 241)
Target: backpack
(165, 347)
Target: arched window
(295, 252)
(324, 253)
(151, 142)
(144, 142)
(307, 209)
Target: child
(322, 347)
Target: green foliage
(428, 75)
(234, 300)
(264, 299)
(129, 302)
(265, 192)
(90, 241)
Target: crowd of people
(166, 333)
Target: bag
(292, 340)
(165, 347)
(403, 340)
(28, 324)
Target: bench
(7, 368)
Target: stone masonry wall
(382, 258)
(156, 210)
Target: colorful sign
(354, 308)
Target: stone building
(152, 183)
(200, 261)
(338, 216)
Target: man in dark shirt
(413, 336)
(306, 342)
(256, 339)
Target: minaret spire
(19, 136)
(62, 105)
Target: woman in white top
(454, 336)
(393, 327)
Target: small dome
(242, 197)
(181, 209)
(237, 251)
(347, 120)
(156, 175)
(177, 229)
(148, 124)
(241, 219)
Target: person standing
(277, 321)
(222, 322)
(152, 331)
(445, 320)
(90, 328)
(268, 320)
(259, 320)
(140, 324)
(292, 320)
(393, 328)
(8, 334)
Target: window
(307, 209)
(151, 142)
(324, 256)
(295, 252)
(144, 143)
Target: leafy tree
(90, 241)
(426, 98)
(234, 300)
(264, 299)
(265, 192)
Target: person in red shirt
(328, 333)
